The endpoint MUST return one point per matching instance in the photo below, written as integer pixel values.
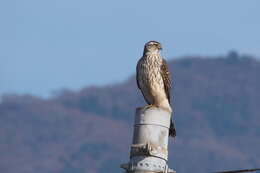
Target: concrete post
(149, 149)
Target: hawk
(154, 80)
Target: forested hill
(216, 104)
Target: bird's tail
(172, 130)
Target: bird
(154, 80)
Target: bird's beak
(160, 47)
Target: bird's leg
(148, 106)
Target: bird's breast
(151, 74)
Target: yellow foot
(148, 107)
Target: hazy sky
(46, 45)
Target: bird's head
(152, 47)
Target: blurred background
(68, 91)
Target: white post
(149, 149)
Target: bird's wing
(137, 69)
(166, 79)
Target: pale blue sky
(46, 45)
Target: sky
(50, 45)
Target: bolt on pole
(149, 149)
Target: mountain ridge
(216, 109)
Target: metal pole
(149, 149)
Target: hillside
(216, 108)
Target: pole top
(153, 115)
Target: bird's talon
(148, 107)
